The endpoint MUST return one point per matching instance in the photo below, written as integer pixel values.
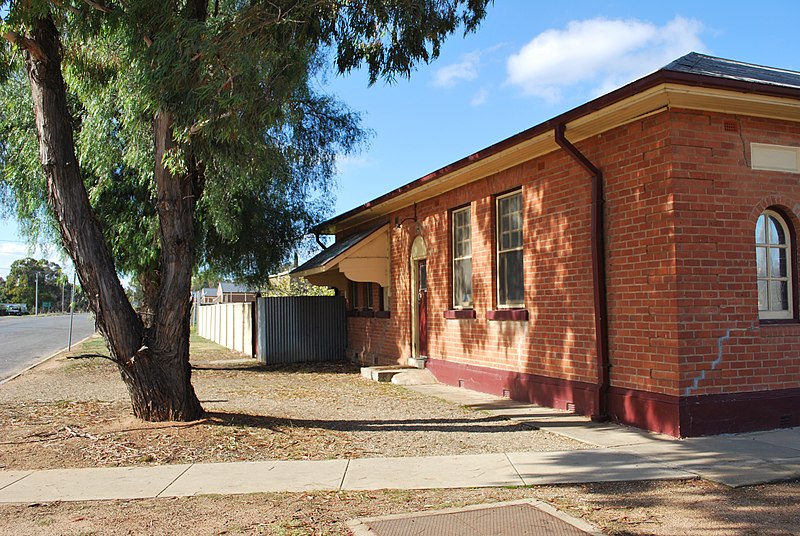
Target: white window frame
(457, 303)
(786, 313)
(498, 237)
(368, 300)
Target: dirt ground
(693, 507)
(74, 413)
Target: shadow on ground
(482, 425)
(336, 367)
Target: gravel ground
(75, 413)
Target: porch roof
(362, 256)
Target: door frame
(422, 309)
(419, 252)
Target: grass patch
(201, 348)
(96, 345)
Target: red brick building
(634, 258)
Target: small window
(368, 296)
(773, 267)
(352, 288)
(462, 258)
(510, 281)
(385, 301)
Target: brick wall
(681, 202)
(724, 348)
(640, 254)
(558, 339)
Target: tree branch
(28, 44)
(107, 9)
(98, 6)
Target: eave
(654, 94)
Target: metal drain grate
(520, 518)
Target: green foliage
(20, 170)
(20, 287)
(283, 285)
(205, 278)
(243, 83)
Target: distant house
(206, 296)
(233, 293)
(634, 258)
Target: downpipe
(598, 271)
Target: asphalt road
(24, 340)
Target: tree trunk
(153, 363)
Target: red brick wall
(640, 254)
(558, 339)
(387, 341)
(718, 197)
(681, 203)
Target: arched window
(774, 266)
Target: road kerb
(29, 367)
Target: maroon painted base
(707, 414)
(672, 415)
(651, 411)
(556, 393)
(740, 412)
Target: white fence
(227, 324)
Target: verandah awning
(361, 257)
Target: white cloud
(345, 163)
(13, 251)
(465, 70)
(13, 248)
(480, 97)
(601, 52)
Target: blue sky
(528, 62)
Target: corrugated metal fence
(296, 329)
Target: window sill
(383, 314)
(459, 314)
(353, 313)
(777, 321)
(369, 313)
(517, 315)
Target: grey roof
(210, 292)
(701, 64)
(339, 247)
(233, 287)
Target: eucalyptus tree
(171, 134)
(31, 281)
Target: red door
(422, 303)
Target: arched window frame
(764, 275)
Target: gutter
(598, 271)
(662, 76)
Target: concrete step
(383, 374)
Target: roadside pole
(36, 306)
(71, 312)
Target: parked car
(16, 309)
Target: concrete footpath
(619, 454)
